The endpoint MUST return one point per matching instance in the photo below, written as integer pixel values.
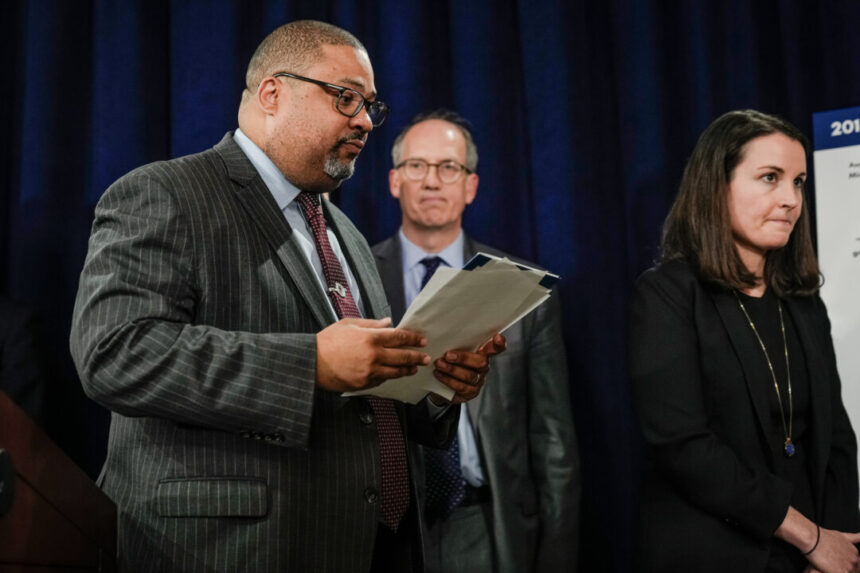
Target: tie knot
(430, 266)
(310, 204)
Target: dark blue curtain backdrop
(584, 113)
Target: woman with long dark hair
(751, 460)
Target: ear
(269, 95)
(394, 183)
(471, 187)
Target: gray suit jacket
(195, 323)
(525, 433)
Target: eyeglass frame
(365, 104)
(463, 168)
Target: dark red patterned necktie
(392, 446)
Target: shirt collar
(282, 190)
(411, 254)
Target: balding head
(452, 117)
(293, 48)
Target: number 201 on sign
(846, 127)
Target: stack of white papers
(463, 309)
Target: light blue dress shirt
(285, 194)
(413, 274)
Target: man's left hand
(464, 372)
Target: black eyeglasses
(448, 171)
(349, 101)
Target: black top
(764, 313)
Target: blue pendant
(789, 448)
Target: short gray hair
(451, 117)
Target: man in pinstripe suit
(202, 321)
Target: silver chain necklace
(788, 447)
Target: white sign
(837, 202)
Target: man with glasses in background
(504, 495)
(223, 309)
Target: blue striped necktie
(446, 487)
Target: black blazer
(710, 497)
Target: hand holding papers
(462, 309)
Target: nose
(431, 178)
(790, 195)
(361, 121)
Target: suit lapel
(819, 377)
(261, 207)
(390, 264)
(749, 354)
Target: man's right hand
(357, 353)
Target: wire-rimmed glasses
(448, 171)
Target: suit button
(371, 495)
(366, 417)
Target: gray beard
(338, 170)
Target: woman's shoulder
(810, 308)
(676, 272)
(674, 284)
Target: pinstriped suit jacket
(195, 323)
